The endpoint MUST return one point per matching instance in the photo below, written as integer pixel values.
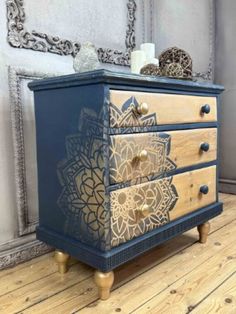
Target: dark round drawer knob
(204, 189)
(206, 109)
(205, 147)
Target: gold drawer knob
(144, 210)
(142, 108)
(143, 155)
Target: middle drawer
(139, 155)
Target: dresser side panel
(70, 145)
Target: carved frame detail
(21, 250)
(15, 76)
(20, 37)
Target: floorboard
(179, 276)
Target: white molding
(147, 20)
(227, 186)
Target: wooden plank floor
(179, 276)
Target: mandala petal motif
(81, 175)
(128, 116)
(161, 196)
(124, 149)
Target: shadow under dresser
(125, 162)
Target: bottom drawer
(140, 208)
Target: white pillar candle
(149, 49)
(152, 61)
(138, 59)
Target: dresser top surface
(124, 79)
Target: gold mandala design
(128, 116)
(124, 165)
(160, 196)
(81, 175)
(120, 203)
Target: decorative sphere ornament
(150, 69)
(176, 62)
(86, 59)
(174, 70)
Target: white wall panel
(187, 24)
(225, 74)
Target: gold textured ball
(173, 70)
(150, 69)
(172, 56)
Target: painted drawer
(146, 154)
(140, 208)
(148, 109)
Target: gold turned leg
(203, 230)
(104, 282)
(62, 259)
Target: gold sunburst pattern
(81, 175)
(124, 149)
(160, 196)
(102, 218)
(127, 116)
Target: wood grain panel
(141, 208)
(188, 185)
(222, 300)
(185, 146)
(163, 109)
(165, 152)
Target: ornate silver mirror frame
(20, 37)
(16, 75)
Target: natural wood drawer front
(164, 152)
(140, 208)
(160, 109)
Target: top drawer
(147, 109)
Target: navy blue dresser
(125, 162)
